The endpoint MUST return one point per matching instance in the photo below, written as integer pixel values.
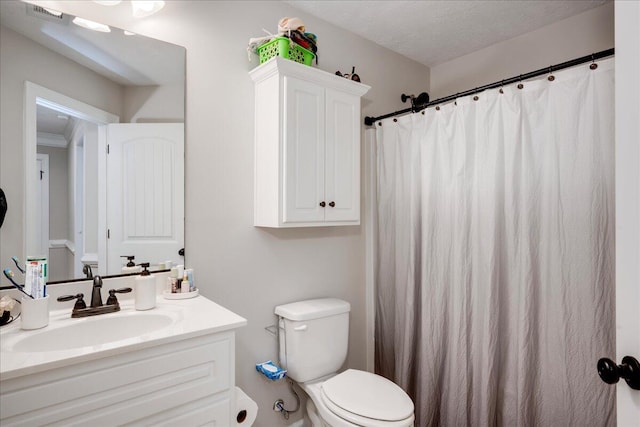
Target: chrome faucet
(96, 295)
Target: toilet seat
(367, 399)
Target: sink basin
(70, 341)
(92, 332)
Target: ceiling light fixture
(95, 26)
(108, 2)
(146, 7)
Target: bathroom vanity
(174, 364)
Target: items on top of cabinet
(352, 76)
(292, 42)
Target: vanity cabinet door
(304, 151)
(187, 382)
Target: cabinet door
(342, 158)
(303, 151)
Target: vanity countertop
(181, 319)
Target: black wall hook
(417, 102)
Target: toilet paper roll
(246, 409)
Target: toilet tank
(313, 337)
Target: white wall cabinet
(307, 146)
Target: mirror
(103, 144)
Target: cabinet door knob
(332, 204)
(323, 204)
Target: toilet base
(312, 413)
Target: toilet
(313, 341)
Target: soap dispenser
(145, 289)
(131, 267)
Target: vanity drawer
(207, 412)
(126, 388)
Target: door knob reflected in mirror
(629, 370)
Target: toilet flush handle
(301, 328)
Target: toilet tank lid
(312, 309)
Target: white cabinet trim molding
(291, 68)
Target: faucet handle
(112, 300)
(79, 305)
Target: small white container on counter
(34, 313)
(145, 289)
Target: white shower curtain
(495, 254)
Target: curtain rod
(369, 121)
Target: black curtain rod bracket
(370, 121)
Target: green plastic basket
(281, 46)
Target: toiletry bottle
(145, 289)
(131, 267)
(173, 281)
(192, 285)
(184, 286)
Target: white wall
(579, 35)
(247, 269)
(153, 104)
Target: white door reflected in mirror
(145, 199)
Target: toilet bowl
(358, 398)
(313, 341)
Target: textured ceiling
(433, 32)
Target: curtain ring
(501, 85)
(593, 65)
(551, 76)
